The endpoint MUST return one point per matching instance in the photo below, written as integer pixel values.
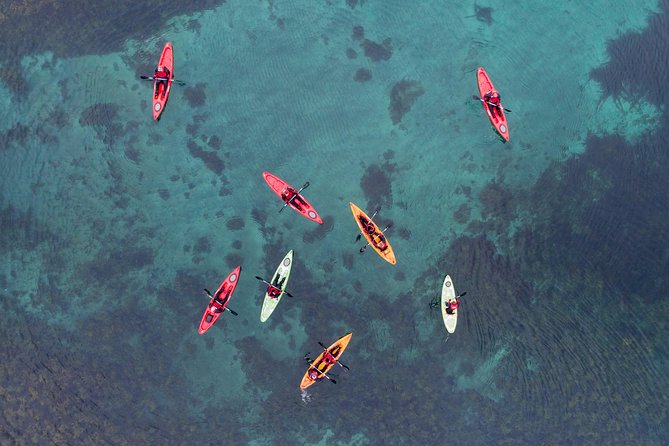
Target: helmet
(313, 374)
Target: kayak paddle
(435, 302)
(476, 98)
(336, 360)
(362, 250)
(284, 291)
(151, 78)
(226, 308)
(293, 197)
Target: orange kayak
(160, 91)
(322, 367)
(499, 120)
(373, 234)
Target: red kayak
(161, 90)
(219, 301)
(498, 120)
(285, 191)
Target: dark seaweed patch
(461, 215)
(483, 14)
(211, 160)
(377, 51)
(233, 260)
(377, 185)
(496, 200)
(319, 231)
(214, 142)
(15, 135)
(202, 246)
(132, 154)
(101, 117)
(362, 75)
(235, 224)
(195, 95)
(12, 77)
(402, 98)
(351, 54)
(358, 32)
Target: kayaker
(161, 76)
(452, 306)
(274, 290)
(493, 100)
(380, 241)
(291, 196)
(367, 225)
(314, 374)
(215, 307)
(328, 358)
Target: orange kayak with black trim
(299, 203)
(373, 234)
(499, 120)
(223, 293)
(322, 367)
(162, 93)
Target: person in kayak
(493, 100)
(291, 196)
(367, 225)
(328, 358)
(452, 306)
(162, 77)
(275, 290)
(380, 241)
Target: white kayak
(280, 276)
(447, 295)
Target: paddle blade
(357, 239)
(233, 312)
(344, 365)
(260, 278)
(208, 293)
(462, 294)
(322, 345)
(288, 294)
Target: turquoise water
(112, 224)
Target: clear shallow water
(111, 225)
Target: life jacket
(328, 358)
(494, 98)
(313, 374)
(273, 291)
(453, 305)
(289, 194)
(367, 225)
